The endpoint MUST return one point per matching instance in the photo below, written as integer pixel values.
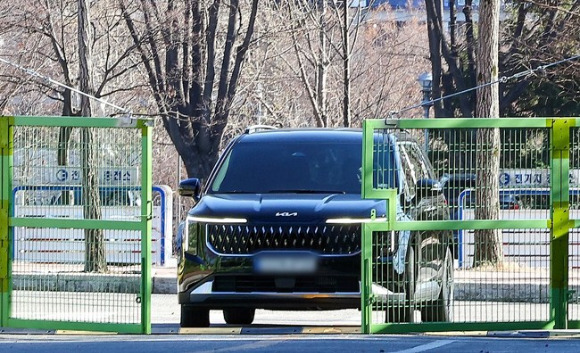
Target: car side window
(221, 174)
(414, 168)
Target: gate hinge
(561, 134)
(149, 215)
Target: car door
(429, 245)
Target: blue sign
(107, 176)
(504, 179)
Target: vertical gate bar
(4, 216)
(366, 279)
(366, 243)
(559, 192)
(146, 222)
(367, 160)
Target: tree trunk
(435, 55)
(470, 42)
(488, 242)
(95, 260)
(66, 196)
(322, 65)
(346, 118)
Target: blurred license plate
(285, 264)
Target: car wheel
(192, 316)
(405, 311)
(239, 316)
(441, 309)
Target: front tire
(441, 309)
(192, 316)
(239, 316)
(405, 311)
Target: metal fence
(97, 276)
(479, 232)
(30, 245)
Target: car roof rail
(256, 128)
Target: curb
(535, 334)
(164, 329)
(166, 283)
(502, 291)
(90, 282)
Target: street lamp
(426, 82)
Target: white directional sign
(107, 176)
(529, 177)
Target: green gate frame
(8, 222)
(559, 222)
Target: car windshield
(288, 167)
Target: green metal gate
(75, 270)
(533, 286)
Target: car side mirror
(428, 188)
(190, 187)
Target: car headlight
(202, 219)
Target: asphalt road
(165, 310)
(282, 344)
(103, 307)
(272, 332)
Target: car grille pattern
(304, 284)
(247, 240)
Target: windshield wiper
(305, 191)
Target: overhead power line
(503, 79)
(55, 82)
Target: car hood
(287, 208)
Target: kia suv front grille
(247, 240)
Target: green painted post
(4, 215)
(146, 222)
(559, 192)
(366, 279)
(369, 192)
(366, 241)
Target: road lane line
(427, 347)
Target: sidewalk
(532, 285)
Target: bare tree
(347, 61)
(314, 29)
(346, 70)
(193, 52)
(488, 242)
(48, 35)
(539, 33)
(42, 35)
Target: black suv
(278, 226)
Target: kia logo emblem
(286, 214)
